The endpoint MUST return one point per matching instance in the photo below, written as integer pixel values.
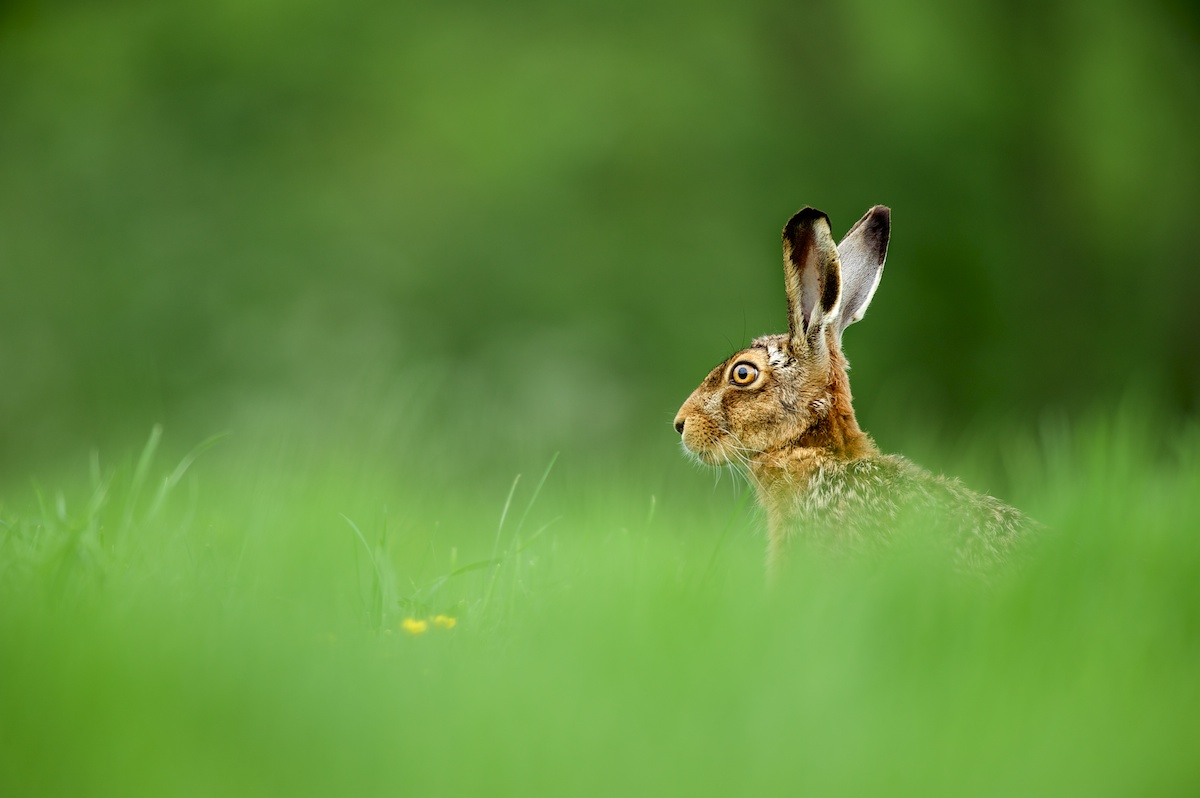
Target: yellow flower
(413, 626)
(445, 621)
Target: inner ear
(862, 253)
(832, 291)
(812, 274)
(810, 289)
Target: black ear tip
(879, 228)
(803, 219)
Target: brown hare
(780, 410)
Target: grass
(231, 622)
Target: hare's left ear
(812, 277)
(862, 253)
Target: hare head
(791, 391)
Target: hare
(780, 410)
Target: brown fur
(793, 430)
(838, 432)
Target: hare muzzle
(703, 437)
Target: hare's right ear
(862, 253)
(812, 277)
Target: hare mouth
(714, 457)
(713, 453)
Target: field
(246, 619)
(340, 345)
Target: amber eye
(743, 374)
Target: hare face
(754, 402)
(789, 391)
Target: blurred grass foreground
(238, 626)
(339, 345)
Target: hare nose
(679, 427)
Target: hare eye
(743, 374)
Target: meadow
(340, 345)
(259, 620)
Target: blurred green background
(546, 222)
(405, 253)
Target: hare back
(865, 502)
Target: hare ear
(811, 274)
(862, 253)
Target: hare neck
(834, 434)
(835, 430)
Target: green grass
(229, 624)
